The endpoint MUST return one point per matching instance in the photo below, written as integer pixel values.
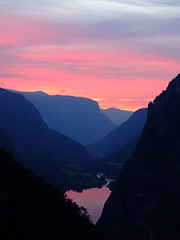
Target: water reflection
(92, 199)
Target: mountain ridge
(77, 117)
(32, 138)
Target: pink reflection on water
(92, 199)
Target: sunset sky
(121, 53)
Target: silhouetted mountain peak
(172, 93)
(41, 93)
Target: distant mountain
(76, 117)
(121, 136)
(117, 116)
(34, 210)
(32, 138)
(145, 203)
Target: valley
(89, 120)
(141, 156)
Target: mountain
(123, 154)
(111, 166)
(32, 138)
(145, 203)
(117, 116)
(6, 142)
(114, 162)
(121, 136)
(79, 118)
(34, 210)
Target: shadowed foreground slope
(31, 209)
(145, 205)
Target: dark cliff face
(32, 138)
(31, 209)
(145, 204)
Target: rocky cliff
(145, 205)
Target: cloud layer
(122, 52)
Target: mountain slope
(6, 142)
(32, 138)
(117, 116)
(76, 117)
(111, 166)
(31, 209)
(122, 155)
(145, 204)
(119, 137)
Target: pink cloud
(51, 56)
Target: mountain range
(77, 117)
(31, 136)
(49, 154)
(145, 204)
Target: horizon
(66, 96)
(120, 53)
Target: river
(92, 199)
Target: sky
(120, 53)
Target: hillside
(121, 136)
(31, 209)
(5, 141)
